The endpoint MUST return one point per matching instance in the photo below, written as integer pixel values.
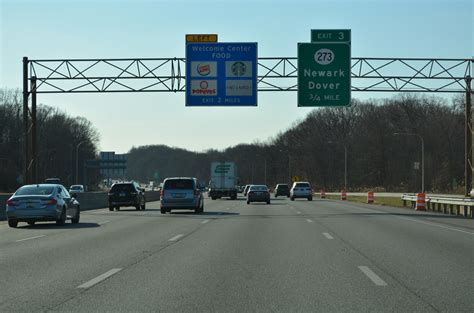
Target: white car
(76, 189)
(301, 190)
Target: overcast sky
(152, 29)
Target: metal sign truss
(275, 74)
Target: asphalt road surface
(289, 256)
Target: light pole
(422, 157)
(345, 163)
(77, 160)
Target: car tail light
(249, 192)
(51, 201)
(10, 202)
(162, 193)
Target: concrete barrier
(87, 200)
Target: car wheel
(76, 218)
(202, 208)
(31, 223)
(143, 206)
(62, 219)
(111, 208)
(310, 199)
(268, 202)
(213, 198)
(292, 198)
(13, 223)
(248, 202)
(163, 210)
(117, 208)
(276, 196)
(137, 207)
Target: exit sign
(331, 35)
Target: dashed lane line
(372, 276)
(175, 238)
(99, 278)
(29, 238)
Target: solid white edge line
(176, 237)
(99, 278)
(298, 212)
(40, 236)
(372, 276)
(432, 224)
(204, 222)
(308, 220)
(328, 236)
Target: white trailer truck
(223, 180)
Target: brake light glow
(51, 201)
(10, 202)
(162, 193)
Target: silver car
(301, 190)
(42, 202)
(180, 193)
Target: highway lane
(288, 256)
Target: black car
(126, 194)
(282, 190)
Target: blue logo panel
(221, 74)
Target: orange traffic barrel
(370, 197)
(323, 194)
(343, 195)
(420, 202)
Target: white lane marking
(372, 276)
(308, 220)
(30, 238)
(432, 224)
(328, 236)
(99, 278)
(227, 208)
(104, 222)
(204, 222)
(298, 212)
(176, 237)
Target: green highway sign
(324, 74)
(331, 35)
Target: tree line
(313, 149)
(58, 136)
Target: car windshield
(179, 184)
(34, 190)
(122, 188)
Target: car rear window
(76, 187)
(302, 185)
(34, 190)
(259, 188)
(122, 188)
(179, 184)
(282, 187)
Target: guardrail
(446, 205)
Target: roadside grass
(389, 201)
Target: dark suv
(282, 190)
(126, 194)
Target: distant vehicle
(301, 190)
(258, 193)
(180, 193)
(246, 189)
(223, 180)
(52, 180)
(74, 189)
(42, 202)
(282, 190)
(125, 195)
